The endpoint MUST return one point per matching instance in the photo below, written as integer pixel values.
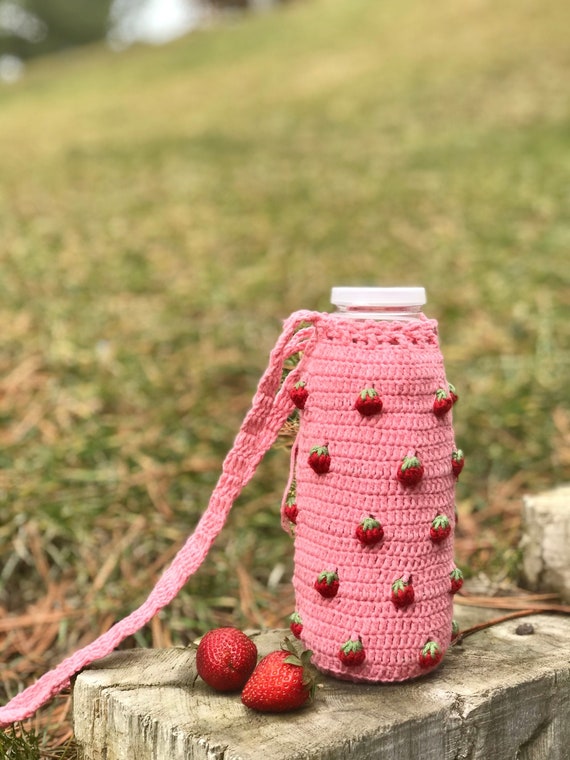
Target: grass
(164, 209)
(24, 743)
(19, 745)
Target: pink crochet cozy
(373, 487)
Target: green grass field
(163, 210)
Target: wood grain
(546, 541)
(499, 695)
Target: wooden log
(498, 695)
(545, 544)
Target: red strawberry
(369, 531)
(457, 462)
(299, 394)
(290, 509)
(296, 625)
(402, 592)
(453, 393)
(319, 459)
(291, 513)
(368, 402)
(430, 654)
(440, 529)
(456, 578)
(327, 584)
(443, 402)
(282, 681)
(225, 658)
(352, 653)
(411, 471)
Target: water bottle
(370, 496)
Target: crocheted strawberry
(369, 531)
(352, 653)
(402, 592)
(440, 528)
(430, 655)
(411, 470)
(456, 578)
(327, 584)
(291, 513)
(225, 658)
(299, 394)
(442, 403)
(319, 459)
(290, 509)
(453, 393)
(283, 681)
(368, 402)
(296, 625)
(457, 462)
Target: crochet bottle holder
(371, 490)
(373, 485)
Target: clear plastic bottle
(371, 490)
(402, 303)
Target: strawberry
(430, 655)
(319, 459)
(457, 462)
(296, 625)
(299, 394)
(282, 681)
(290, 508)
(368, 402)
(440, 529)
(369, 531)
(352, 653)
(411, 470)
(327, 584)
(442, 403)
(291, 513)
(402, 592)
(225, 659)
(456, 578)
(453, 393)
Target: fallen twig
(538, 602)
(495, 621)
(521, 604)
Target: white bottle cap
(378, 296)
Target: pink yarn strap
(270, 407)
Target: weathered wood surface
(546, 542)
(497, 696)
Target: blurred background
(34, 28)
(176, 179)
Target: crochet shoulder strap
(270, 407)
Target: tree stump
(545, 544)
(497, 695)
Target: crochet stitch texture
(402, 362)
(357, 632)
